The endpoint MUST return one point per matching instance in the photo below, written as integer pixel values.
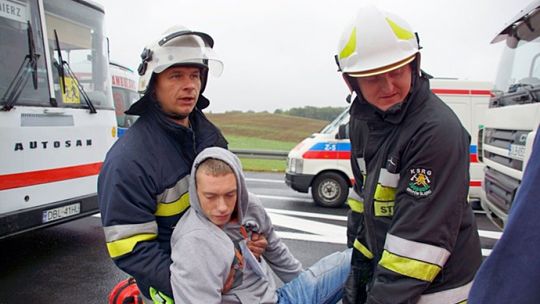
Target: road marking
(286, 198)
(490, 234)
(260, 180)
(315, 231)
(308, 214)
(328, 233)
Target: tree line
(323, 113)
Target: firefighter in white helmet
(414, 234)
(143, 184)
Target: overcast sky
(278, 54)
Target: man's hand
(257, 244)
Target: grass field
(264, 131)
(281, 128)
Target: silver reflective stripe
(416, 250)
(362, 165)
(450, 296)
(118, 232)
(355, 196)
(172, 194)
(388, 179)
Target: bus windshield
(83, 47)
(16, 21)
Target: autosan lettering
(55, 144)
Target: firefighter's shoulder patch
(420, 182)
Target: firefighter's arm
(432, 188)
(131, 231)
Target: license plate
(61, 212)
(517, 152)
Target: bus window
(17, 21)
(84, 48)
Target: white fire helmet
(179, 46)
(375, 42)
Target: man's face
(217, 195)
(388, 89)
(177, 90)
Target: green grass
(263, 165)
(255, 143)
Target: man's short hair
(214, 167)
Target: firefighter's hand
(257, 244)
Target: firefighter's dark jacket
(418, 237)
(142, 191)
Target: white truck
(321, 162)
(512, 120)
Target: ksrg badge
(419, 182)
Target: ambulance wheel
(330, 190)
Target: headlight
(296, 165)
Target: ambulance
(320, 163)
(124, 89)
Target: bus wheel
(330, 190)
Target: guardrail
(261, 154)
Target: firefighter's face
(217, 195)
(177, 91)
(388, 89)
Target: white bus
(124, 90)
(57, 118)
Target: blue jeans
(321, 283)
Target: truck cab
(505, 142)
(321, 162)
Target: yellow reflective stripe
(363, 249)
(400, 32)
(385, 194)
(123, 246)
(383, 208)
(356, 205)
(174, 208)
(350, 47)
(409, 267)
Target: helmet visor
(168, 56)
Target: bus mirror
(343, 132)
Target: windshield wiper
(517, 94)
(63, 69)
(29, 65)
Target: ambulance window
(15, 17)
(332, 127)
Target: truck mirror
(343, 131)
